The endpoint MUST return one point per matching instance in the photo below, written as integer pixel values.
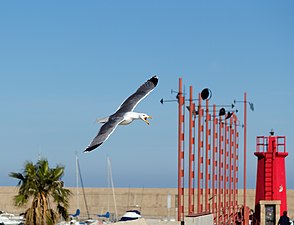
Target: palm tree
(43, 186)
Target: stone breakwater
(152, 202)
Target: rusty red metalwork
(191, 187)
(214, 160)
(220, 172)
(235, 166)
(225, 169)
(200, 158)
(207, 159)
(181, 102)
(231, 179)
(246, 211)
(216, 157)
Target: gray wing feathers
(104, 132)
(131, 102)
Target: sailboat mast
(112, 185)
(77, 182)
(82, 185)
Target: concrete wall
(152, 202)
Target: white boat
(10, 219)
(131, 215)
(6, 221)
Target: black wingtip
(90, 148)
(154, 80)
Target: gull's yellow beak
(146, 121)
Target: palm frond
(39, 182)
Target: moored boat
(131, 215)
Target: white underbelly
(128, 118)
(126, 122)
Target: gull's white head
(144, 117)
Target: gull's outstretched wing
(127, 106)
(131, 102)
(105, 131)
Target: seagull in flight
(124, 115)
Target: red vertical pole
(225, 170)
(237, 166)
(191, 153)
(181, 154)
(214, 162)
(220, 175)
(231, 168)
(246, 214)
(210, 166)
(200, 128)
(206, 155)
(235, 204)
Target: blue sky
(66, 63)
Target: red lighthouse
(270, 197)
